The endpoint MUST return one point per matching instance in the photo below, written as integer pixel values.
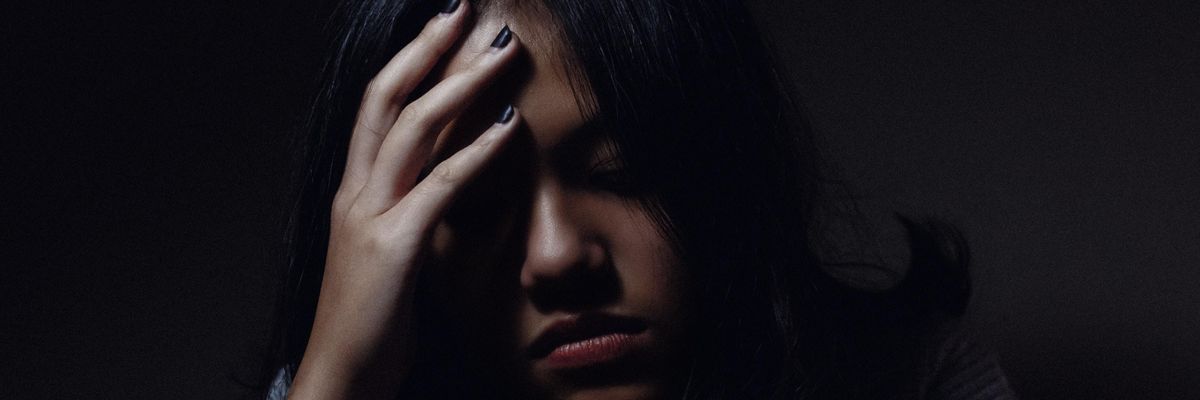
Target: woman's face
(554, 280)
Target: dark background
(145, 163)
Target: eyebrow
(580, 143)
(582, 137)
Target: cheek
(654, 281)
(642, 256)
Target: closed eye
(610, 176)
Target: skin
(510, 222)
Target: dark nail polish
(506, 115)
(450, 6)
(503, 38)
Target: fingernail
(503, 38)
(450, 6)
(505, 115)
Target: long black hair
(711, 133)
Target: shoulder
(962, 369)
(279, 385)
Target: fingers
(409, 144)
(425, 203)
(387, 91)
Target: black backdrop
(145, 160)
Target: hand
(362, 341)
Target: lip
(587, 339)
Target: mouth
(587, 339)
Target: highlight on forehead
(540, 28)
(543, 34)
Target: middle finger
(410, 142)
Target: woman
(600, 199)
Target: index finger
(383, 98)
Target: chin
(619, 392)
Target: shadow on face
(539, 241)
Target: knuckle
(461, 80)
(476, 74)
(353, 213)
(390, 239)
(371, 128)
(436, 29)
(374, 87)
(486, 140)
(483, 63)
(369, 242)
(445, 173)
(416, 114)
(341, 202)
(428, 33)
(382, 90)
(377, 239)
(336, 219)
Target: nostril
(566, 265)
(574, 289)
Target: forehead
(538, 84)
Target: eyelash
(608, 176)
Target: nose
(566, 265)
